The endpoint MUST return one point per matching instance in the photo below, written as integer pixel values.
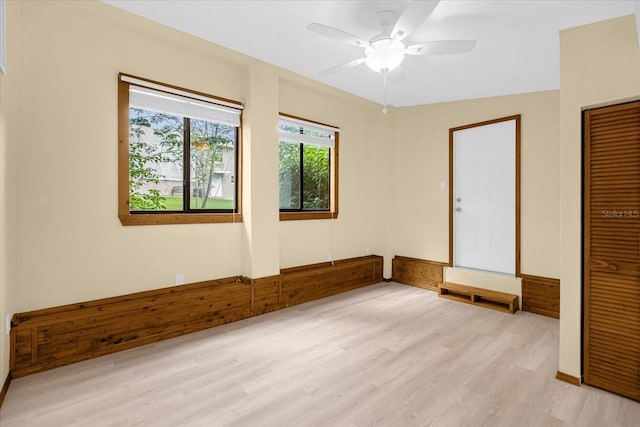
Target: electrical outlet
(179, 279)
(367, 250)
(8, 324)
(329, 256)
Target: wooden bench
(495, 300)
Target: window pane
(213, 165)
(316, 178)
(289, 175)
(155, 161)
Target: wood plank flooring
(383, 355)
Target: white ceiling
(517, 50)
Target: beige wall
(6, 242)
(600, 63)
(363, 189)
(4, 342)
(71, 246)
(260, 181)
(62, 241)
(420, 218)
(8, 194)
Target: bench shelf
(495, 300)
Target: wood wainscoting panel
(308, 283)
(49, 338)
(541, 295)
(20, 356)
(417, 272)
(265, 294)
(52, 337)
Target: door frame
(517, 118)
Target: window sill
(295, 216)
(178, 218)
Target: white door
(484, 197)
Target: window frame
(332, 212)
(125, 215)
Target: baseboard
(53, 337)
(417, 272)
(568, 378)
(5, 388)
(541, 295)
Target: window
(308, 169)
(179, 155)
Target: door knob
(458, 209)
(458, 200)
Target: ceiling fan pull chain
(384, 92)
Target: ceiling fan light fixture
(384, 55)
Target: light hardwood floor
(387, 354)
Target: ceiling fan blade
(413, 15)
(336, 34)
(342, 67)
(441, 47)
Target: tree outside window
(308, 168)
(157, 167)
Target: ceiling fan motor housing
(384, 54)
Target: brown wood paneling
(541, 295)
(417, 272)
(22, 348)
(612, 249)
(265, 294)
(61, 335)
(57, 336)
(308, 283)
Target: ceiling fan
(386, 51)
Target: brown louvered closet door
(612, 249)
